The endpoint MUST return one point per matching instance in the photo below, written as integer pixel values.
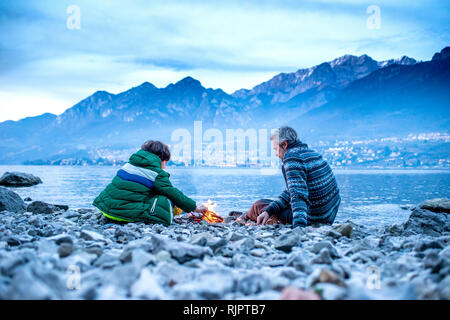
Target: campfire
(210, 216)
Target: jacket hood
(146, 159)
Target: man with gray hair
(311, 195)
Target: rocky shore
(53, 252)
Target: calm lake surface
(373, 197)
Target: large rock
(436, 205)
(19, 179)
(11, 201)
(427, 222)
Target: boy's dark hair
(158, 148)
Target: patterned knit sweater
(311, 188)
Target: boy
(141, 190)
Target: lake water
(373, 197)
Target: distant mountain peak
(140, 89)
(349, 59)
(404, 61)
(188, 82)
(147, 85)
(101, 94)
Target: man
(311, 195)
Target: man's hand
(262, 218)
(242, 219)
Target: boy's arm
(164, 187)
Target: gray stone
(333, 234)
(199, 240)
(65, 249)
(244, 245)
(323, 257)
(164, 256)
(182, 252)
(212, 285)
(258, 252)
(286, 242)
(297, 261)
(11, 201)
(35, 282)
(445, 253)
(236, 236)
(107, 260)
(70, 214)
(318, 246)
(395, 229)
(19, 179)
(61, 238)
(330, 291)
(126, 256)
(253, 283)
(242, 261)
(62, 207)
(345, 229)
(94, 249)
(41, 207)
(444, 288)
(13, 241)
(325, 275)
(428, 244)
(434, 262)
(91, 235)
(216, 243)
(141, 258)
(11, 261)
(36, 221)
(124, 275)
(290, 273)
(147, 287)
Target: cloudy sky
(47, 64)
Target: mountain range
(346, 98)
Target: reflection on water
(373, 197)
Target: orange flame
(210, 216)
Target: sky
(55, 53)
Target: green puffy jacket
(141, 191)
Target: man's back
(311, 179)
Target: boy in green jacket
(141, 190)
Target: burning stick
(210, 216)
